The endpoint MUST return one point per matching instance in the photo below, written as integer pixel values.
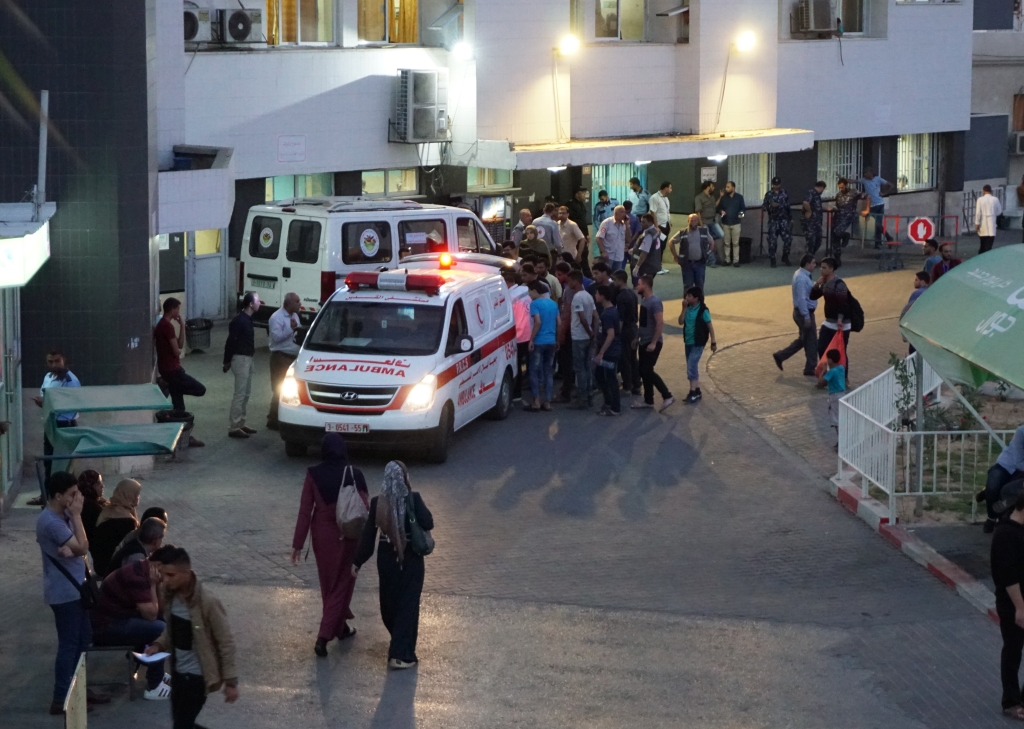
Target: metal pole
(44, 121)
(725, 80)
(919, 426)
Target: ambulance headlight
(421, 397)
(290, 388)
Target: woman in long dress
(115, 521)
(333, 552)
(400, 570)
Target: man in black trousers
(1008, 575)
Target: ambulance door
(486, 370)
(460, 365)
(300, 271)
(263, 264)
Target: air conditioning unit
(1017, 143)
(815, 16)
(422, 106)
(243, 25)
(198, 24)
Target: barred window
(839, 158)
(916, 157)
(752, 174)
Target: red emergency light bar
(428, 283)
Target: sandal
(1015, 712)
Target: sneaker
(247, 429)
(778, 361)
(237, 433)
(398, 664)
(160, 693)
(691, 398)
(661, 272)
(195, 443)
(666, 404)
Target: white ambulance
(402, 359)
(309, 245)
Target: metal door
(205, 283)
(10, 407)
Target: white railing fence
(908, 463)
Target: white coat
(986, 210)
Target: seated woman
(117, 519)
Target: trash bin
(197, 333)
(186, 418)
(745, 244)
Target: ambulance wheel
(438, 450)
(503, 407)
(294, 449)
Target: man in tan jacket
(197, 637)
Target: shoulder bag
(350, 512)
(420, 540)
(88, 591)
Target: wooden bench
(133, 665)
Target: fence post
(919, 427)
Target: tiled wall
(92, 298)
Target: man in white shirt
(283, 349)
(58, 376)
(547, 228)
(986, 210)
(572, 237)
(581, 329)
(611, 238)
(662, 210)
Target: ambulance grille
(351, 396)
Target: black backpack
(856, 314)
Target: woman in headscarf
(399, 569)
(90, 484)
(115, 521)
(332, 550)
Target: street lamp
(568, 45)
(744, 43)
(462, 51)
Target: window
(468, 236)
(300, 21)
(483, 243)
(619, 19)
(457, 330)
(421, 236)
(614, 179)
(852, 14)
(376, 328)
(752, 174)
(485, 178)
(284, 187)
(207, 242)
(916, 156)
(392, 183)
(388, 21)
(303, 241)
(839, 158)
(265, 237)
(368, 242)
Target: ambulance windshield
(377, 328)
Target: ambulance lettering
(467, 396)
(392, 367)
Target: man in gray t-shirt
(651, 325)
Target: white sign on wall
(291, 148)
(709, 174)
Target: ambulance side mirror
(466, 344)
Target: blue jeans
(693, 274)
(135, 632)
(608, 381)
(542, 371)
(583, 367)
(693, 355)
(617, 265)
(74, 634)
(878, 213)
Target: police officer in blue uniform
(814, 214)
(780, 225)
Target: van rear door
(367, 244)
(300, 269)
(262, 266)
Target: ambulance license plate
(346, 428)
(258, 283)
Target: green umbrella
(965, 325)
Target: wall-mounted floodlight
(557, 169)
(568, 45)
(746, 41)
(462, 51)
(641, 163)
(718, 157)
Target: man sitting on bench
(128, 613)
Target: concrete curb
(876, 516)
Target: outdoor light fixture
(744, 42)
(718, 157)
(462, 51)
(556, 169)
(641, 163)
(568, 45)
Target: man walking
(986, 210)
(733, 207)
(706, 206)
(658, 204)
(572, 239)
(198, 638)
(845, 213)
(872, 184)
(239, 350)
(780, 225)
(837, 308)
(582, 330)
(579, 213)
(612, 237)
(651, 247)
(803, 317)
(695, 245)
(638, 196)
(650, 341)
(626, 303)
(58, 375)
(283, 349)
(606, 360)
(62, 541)
(1007, 559)
(814, 217)
(695, 319)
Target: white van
(402, 359)
(307, 245)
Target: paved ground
(659, 570)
